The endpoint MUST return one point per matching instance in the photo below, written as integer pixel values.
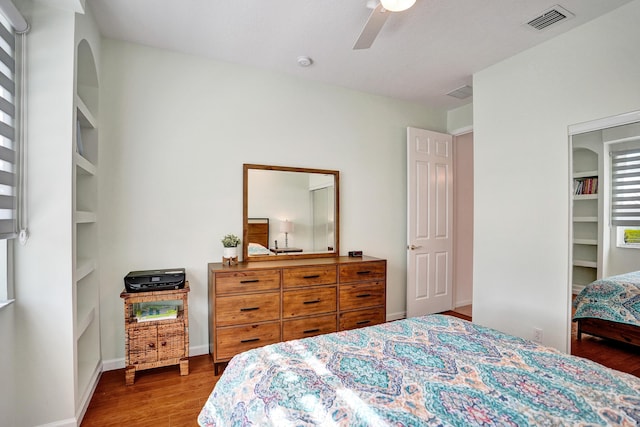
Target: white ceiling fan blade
(371, 29)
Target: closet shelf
(585, 196)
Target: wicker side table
(156, 343)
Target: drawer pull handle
(315, 301)
(250, 340)
(310, 331)
(364, 272)
(363, 295)
(152, 345)
(164, 343)
(250, 308)
(363, 322)
(313, 276)
(250, 281)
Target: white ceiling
(419, 56)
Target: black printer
(154, 280)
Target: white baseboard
(462, 303)
(113, 364)
(396, 316)
(69, 422)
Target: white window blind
(8, 140)
(625, 188)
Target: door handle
(413, 247)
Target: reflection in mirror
(289, 212)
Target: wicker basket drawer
(362, 295)
(361, 318)
(231, 341)
(308, 327)
(308, 276)
(251, 308)
(142, 344)
(310, 301)
(247, 281)
(171, 341)
(359, 272)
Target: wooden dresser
(258, 303)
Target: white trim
(69, 422)
(6, 303)
(607, 122)
(462, 130)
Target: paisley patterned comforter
(616, 298)
(427, 371)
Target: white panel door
(429, 222)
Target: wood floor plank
(162, 398)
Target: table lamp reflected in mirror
(286, 227)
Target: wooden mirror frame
(245, 214)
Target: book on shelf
(156, 312)
(585, 186)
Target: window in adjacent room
(10, 139)
(625, 196)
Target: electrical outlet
(537, 335)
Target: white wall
(175, 131)
(7, 367)
(522, 107)
(463, 219)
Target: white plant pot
(230, 252)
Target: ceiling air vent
(463, 92)
(550, 17)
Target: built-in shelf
(84, 267)
(585, 241)
(585, 219)
(84, 217)
(585, 263)
(585, 197)
(585, 174)
(84, 165)
(87, 119)
(84, 323)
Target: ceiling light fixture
(397, 5)
(304, 61)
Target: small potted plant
(230, 243)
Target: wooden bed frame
(258, 231)
(622, 332)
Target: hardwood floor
(162, 398)
(159, 397)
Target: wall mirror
(289, 213)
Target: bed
(433, 370)
(610, 308)
(258, 236)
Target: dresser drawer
(246, 281)
(361, 318)
(306, 276)
(251, 308)
(362, 295)
(231, 341)
(308, 327)
(359, 272)
(306, 302)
